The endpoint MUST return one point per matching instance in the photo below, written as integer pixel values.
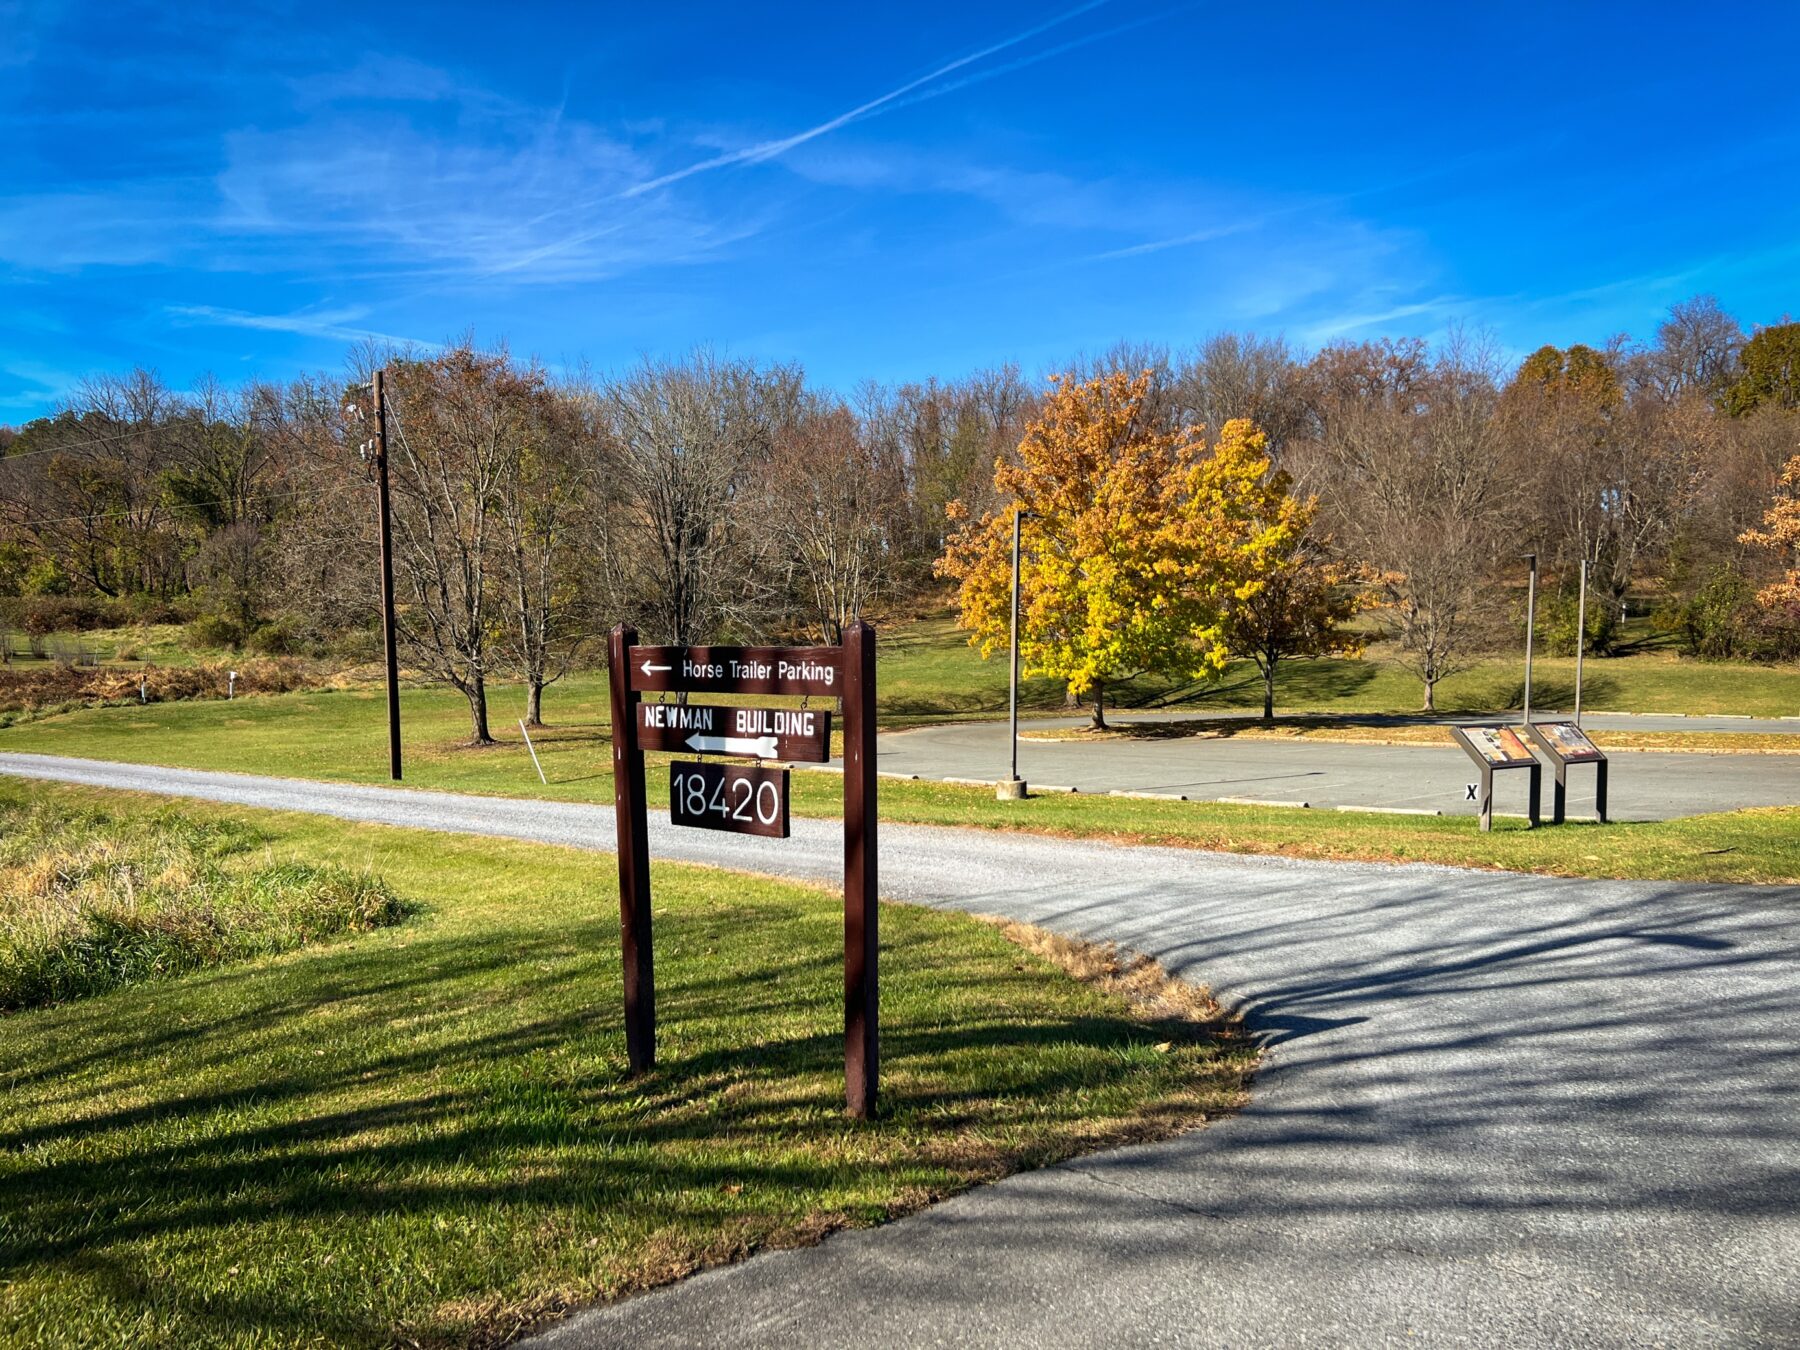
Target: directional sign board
(738, 670)
(736, 798)
(748, 799)
(802, 735)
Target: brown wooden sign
(748, 798)
(738, 670)
(802, 735)
(736, 798)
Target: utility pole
(390, 639)
(1580, 638)
(1530, 629)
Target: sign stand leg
(1487, 799)
(1600, 791)
(1536, 789)
(634, 858)
(1559, 805)
(862, 1002)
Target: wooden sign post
(748, 799)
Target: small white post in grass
(143, 688)
(534, 759)
(231, 685)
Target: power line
(77, 445)
(70, 445)
(113, 515)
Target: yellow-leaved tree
(1134, 542)
(1305, 598)
(1780, 536)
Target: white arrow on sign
(762, 747)
(649, 669)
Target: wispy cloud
(1200, 236)
(1341, 325)
(31, 385)
(1060, 49)
(405, 201)
(338, 325)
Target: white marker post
(231, 685)
(534, 759)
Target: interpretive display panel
(1566, 744)
(1566, 741)
(1495, 749)
(1499, 746)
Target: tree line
(1241, 497)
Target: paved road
(1643, 786)
(1497, 1110)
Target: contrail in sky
(756, 154)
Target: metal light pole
(1580, 638)
(1013, 789)
(1530, 629)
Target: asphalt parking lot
(1645, 785)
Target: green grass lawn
(340, 736)
(425, 1134)
(929, 672)
(1743, 846)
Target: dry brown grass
(88, 902)
(37, 688)
(1150, 991)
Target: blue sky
(874, 191)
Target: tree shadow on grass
(488, 1077)
(1555, 692)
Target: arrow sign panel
(802, 735)
(738, 670)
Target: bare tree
(456, 428)
(1696, 351)
(1410, 453)
(542, 502)
(944, 439)
(674, 543)
(1612, 475)
(1242, 375)
(831, 501)
(91, 496)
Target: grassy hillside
(425, 1135)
